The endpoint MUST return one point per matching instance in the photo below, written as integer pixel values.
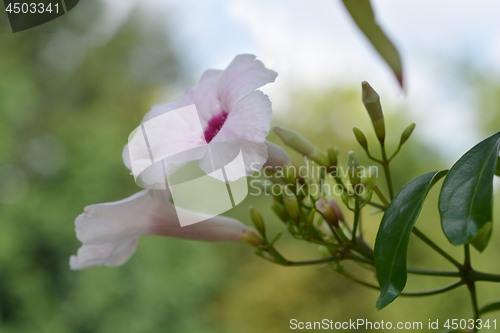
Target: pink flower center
(214, 126)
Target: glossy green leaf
(494, 306)
(393, 236)
(497, 171)
(362, 13)
(483, 237)
(466, 199)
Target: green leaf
(362, 13)
(497, 171)
(494, 306)
(483, 237)
(466, 199)
(393, 236)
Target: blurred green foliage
(69, 96)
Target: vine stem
(416, 271)
(370, 262)
(381, 196)
(435, 273)
(467, 261)
(480, 276)
(471, 283)
(387, 171)
(473, 296)
(406, 294)
(434, 246)
(356, 217)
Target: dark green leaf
(394, 234)
(466, 199)
(483, 237)
(497, 171)
(495, 306)
(362, 13)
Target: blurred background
(73, 89)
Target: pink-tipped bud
(330, 211)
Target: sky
(314, 44)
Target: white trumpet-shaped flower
(230, 113)
(109, 232)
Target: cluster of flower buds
(313, 215)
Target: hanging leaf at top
(362, 13)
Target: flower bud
(251, 238)
(369, 196)
(407, 132)
(360, 137)
(370, 180)
(324, 206)
(310, 218)
(353, 167)
(371, 100)
(276, 156)
(352, 160)
(276, 196)
(322, 174)
(301, 145)
(290, 173)
(345, 199)
(280, 211)
(333, 154)
(258, 221)
(292, 206)
(337, 210)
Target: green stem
(379, 206)
(480, 276)
(387, 171)
(407, 294)
(341, 183)
(309, 262)
(371, 157)
(431, 272)
(471, 275)
(435, 291)
(471, 283)
(356, 217)
(467, 262)
(365, 252)
(381, 196)
(395, 153)
(473, 296)
(366, 284)
(410, 270)
(435, 247)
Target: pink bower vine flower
(231, 111)
(109, 232)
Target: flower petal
(109, 231)
(183, 132)
(164, 144)
(247, 126)
(108, 254)
(243, 75)
(277, 156)
(203, 96)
